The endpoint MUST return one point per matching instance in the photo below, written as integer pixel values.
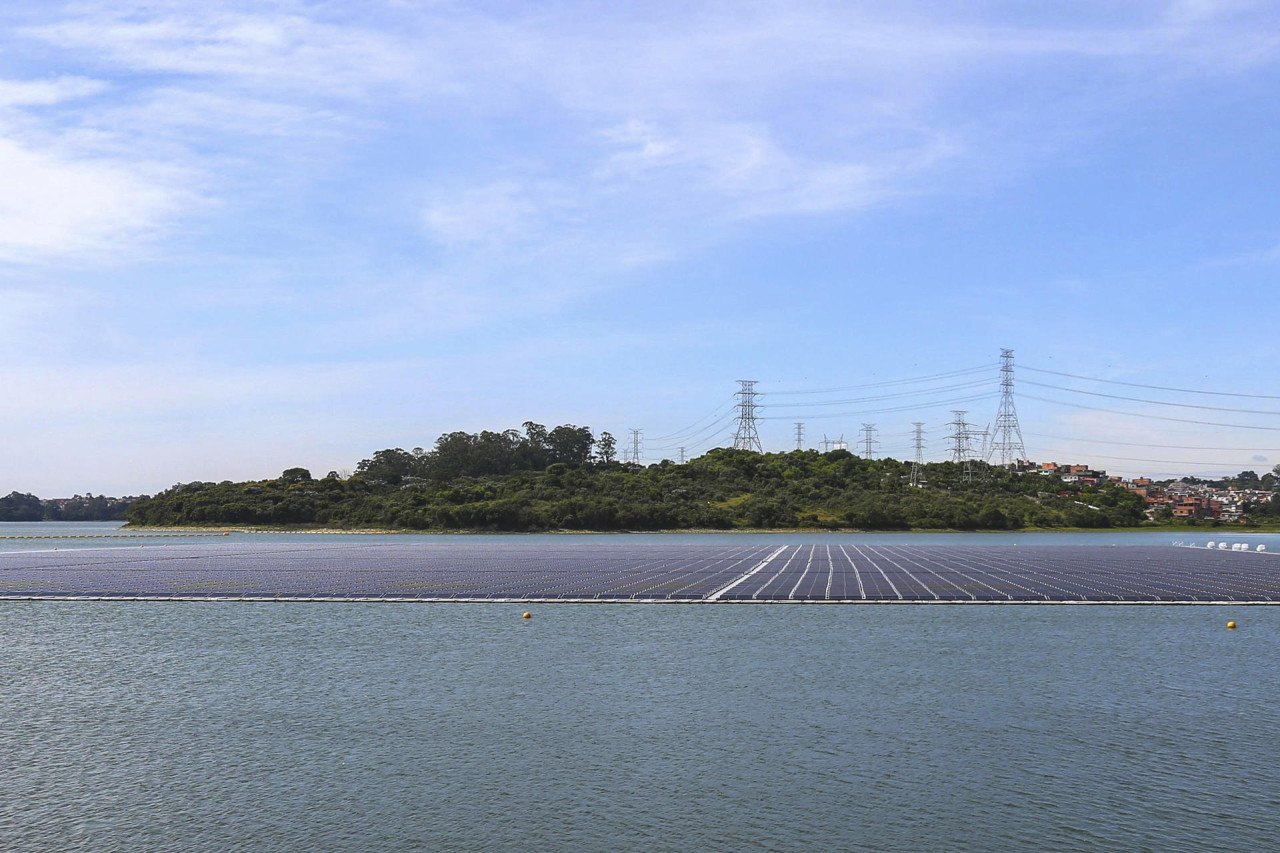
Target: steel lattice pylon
(747, 437)
(1007, 447)
(918, 464)
(962, 449)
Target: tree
(386, 466)
(607, 448)
(534, 445)
(570, 444)
(21, 507)
(295, 475)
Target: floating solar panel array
(535, 570)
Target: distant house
(1197, 507)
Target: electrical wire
(1142, 416)
(910, 380)
(707, 442)
(692, 439)
(1150, 387)
(694, 427)
(1153, 402)
(933, 404)
(963, 386)
(1157, 446)
(1166, 461)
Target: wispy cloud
(73, 207)
(276, 44)
(26, 93)
(665, 119)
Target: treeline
(17, 506)
(567, 479)
(463, 454)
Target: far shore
(1182, 529)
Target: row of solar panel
(794, 572)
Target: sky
(237, 237)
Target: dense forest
(23, 507)
(568, 479)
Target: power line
(981, 383)
(1166, 461)
(1155, 446)
(908, 381)
(1153, 387)
(696, 425)
(1155, 402)
(1149, 417)
(710, 428)
(931, 404)
(711, 440)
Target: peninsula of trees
(567, 478)
(19, 506)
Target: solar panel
(524, 570)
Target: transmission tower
(637, 440)
(918, 464)
(681, 451)
(962, 450)
(747, 438)
(869, 440)
(1007, 442)
(799, 436)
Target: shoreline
(781, 531)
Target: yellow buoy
(528, 615)
(1231, 626)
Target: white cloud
(63, 206)
(705, 118)
(279, 47)
(24, 93)
(498, 213)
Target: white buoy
(1262, 547)
(1210, 545)
(1222, 546)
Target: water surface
(183, 726)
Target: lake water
(13, 537)
(186, 726)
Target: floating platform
(535, 570)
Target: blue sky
(237, 237)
